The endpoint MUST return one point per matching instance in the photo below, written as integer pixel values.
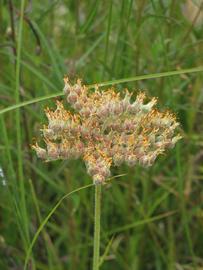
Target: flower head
(107, 129)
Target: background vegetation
(151, 219)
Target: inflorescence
(106, 129)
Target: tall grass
(151, 219)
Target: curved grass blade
(48, 47)
(28, 102)
(90, 17)
(108, 83)
(141, 222)
(152, 76)
(46, 220)
(103, 257)
(81, 61)
(52, 212)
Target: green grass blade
(152, 76)
(52, 56)
(90, 17)
(51, 252)
(34, 70)
(141, 222)
(102, 258)
(107, 36)
(108, 83)
(46, 220)
(18, 125)
(89, 51)
(56, 187)
(183, 206)
(32, 101)
(12, 187)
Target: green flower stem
(97, 216)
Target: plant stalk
(97, 216)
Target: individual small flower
(41, 153)
(107, 129)
(131, 160)
(118, 159)
(53, 150)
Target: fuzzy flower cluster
(106, 129)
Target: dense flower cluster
(106, 129)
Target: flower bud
(77, 89)
(134, 108)
(92, 169)
(103, 111)
(77, 150)
(56, 125)
(174, 140)
(72, 98)
(67, 89)
(78, 105)
(131, 160)
(85, 112)
(98, 179)
(118, 159)
(53, 150)
(41, 153)
(115, 108)
(128, 125)
(147, 107)
(105, 172)
(64, 152)
(49, 133)
(152, 138)
(115, 126)
(85, 131)
(125, 103)
(145, 161)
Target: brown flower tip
(107, 129)
(41, 153)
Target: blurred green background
(151, 218)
